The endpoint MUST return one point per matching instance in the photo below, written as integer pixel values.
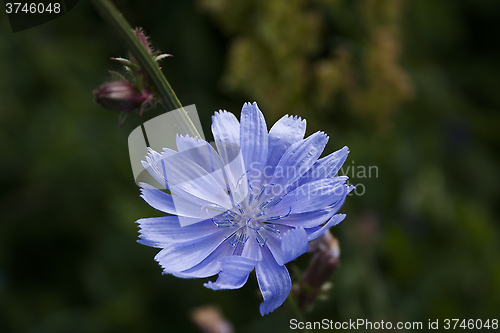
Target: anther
(271, 228)
(261, 241)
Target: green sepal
(115, 76)
(162, 56)
(138, 83)
(123, 61)
(122, 117)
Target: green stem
(295, 309)
(125, 33)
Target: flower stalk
(315, 280)
(292, 305)
(162, 88)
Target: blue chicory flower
(253, 204)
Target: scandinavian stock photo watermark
(351, 172)
(358, 173)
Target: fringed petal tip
(211, 285)
(188, 137)
(220, 113)
(221, 285)
(294, 118)
(251, 104)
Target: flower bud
(321, 267)
(121, 96)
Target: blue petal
(202, 153)
(274, 282)
(314, 233)
(326, 167)
(186, 143)
(298, 159)
(312, 196)
(336, 206)
(153, 164)
(253, 141)
(251, 249)
(162, 231)
(320, 194)
(225, 127)
(273, 243)
(209, 266)
(171, 204)
(294, 243)
(226, 131)
(187, 177)
(234, 273)
(179, 257)
(307, 220)
(285, 132)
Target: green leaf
(123, 61)
(138, 83)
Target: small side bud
(315, 280)
(122, 96)
(144, 39)
(156, 55)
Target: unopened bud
(121, 96)
(321, 267)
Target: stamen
(230, 213)
(260, 193)
(260, 213)
(242, 238)
(250, 198)
(252, 226)
(222, 223)
(239, 208)
(271, 228)
(262, 205)
(235, 238)
(261, 241)
(239, 241)
(259, 228)
(273, 203)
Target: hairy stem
(125, 33)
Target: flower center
(250, 215)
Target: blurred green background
(410, 86)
